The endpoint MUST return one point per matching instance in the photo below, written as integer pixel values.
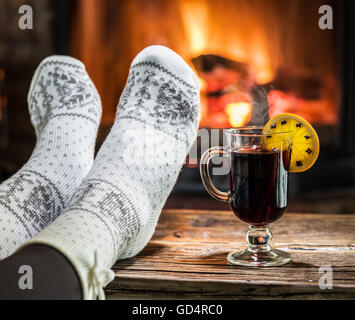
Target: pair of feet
(95, 212)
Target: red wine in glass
(259, 184)
(258, 189)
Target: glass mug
(258, 189)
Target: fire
(262, 67)
(246, 45)
(239, 113)
(195, 18)
(202, 84)
(207, 26)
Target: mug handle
(205, 174)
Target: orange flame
(208, 30)
(239, 113)
(195, 19)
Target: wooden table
(186, 259)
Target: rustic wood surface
(186, 259)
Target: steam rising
(260, 115)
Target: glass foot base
(251, 258)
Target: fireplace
(254, 59)
(248, 54)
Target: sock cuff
(92, 276)
(86, 245)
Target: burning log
(301, 84)
(233, 98)
(207, 62)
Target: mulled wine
(259, 166)
(259, 184)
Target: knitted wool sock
(65, 111)
(115, 211)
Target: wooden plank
(186, 258)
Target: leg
(53, 276)
(116, 209)
(65, 111)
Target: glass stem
(259, 238)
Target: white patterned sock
(115, 211)
(65, 111)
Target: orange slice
(305, 142)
